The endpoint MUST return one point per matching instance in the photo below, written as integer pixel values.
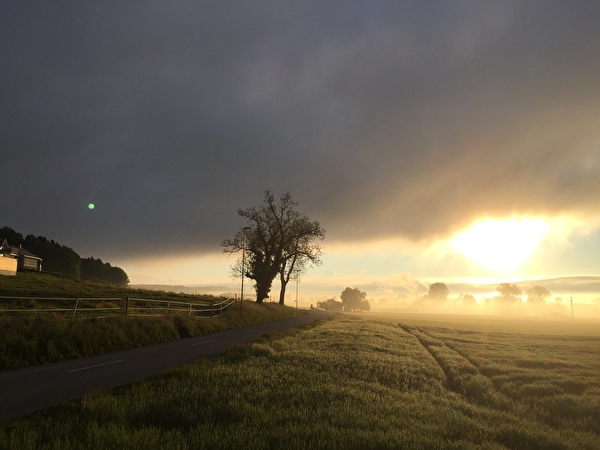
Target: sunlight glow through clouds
(506, 244)
(518, 246)
(500, 244)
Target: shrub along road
(23, 391)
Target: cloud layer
(383, 119)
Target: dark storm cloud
(381, 118)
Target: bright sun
(500, 244)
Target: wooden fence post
(127, 306)
(75, 308)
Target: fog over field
(406, 294)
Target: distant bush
(330, 305)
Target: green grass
(40, 337)
(554, 376)
(42, 294)
(33, 284)
(28, 341)
(346, 383)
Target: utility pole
(572, 317)
(243, 265)
(297, 280)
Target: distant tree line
(61, 259)
(508, 293)
(511, 293)
(95, 270)
(353, 299)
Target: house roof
(6, 248)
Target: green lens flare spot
(91, 206)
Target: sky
(434, 141)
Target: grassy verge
(31, 340)
(346, 383)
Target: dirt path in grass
(462, 376)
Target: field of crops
(349, 382)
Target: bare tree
(301, 248)
(280, 241)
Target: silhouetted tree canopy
(330, 305)
(11, 236)
(468, 299)
(56, 257)
(354, 300)
(537, 294)
(95, 270)
(279, 241)
(438, 292)
(509, 292)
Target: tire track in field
(462, 376)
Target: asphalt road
(23, 391)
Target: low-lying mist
(557, 309)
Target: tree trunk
(263, 287)
(284, 281)
(262, 292)
(282, 293)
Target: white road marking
(252, 331)
(94, 366)
(203, 342)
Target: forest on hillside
(64, 261)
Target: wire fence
(145, 307)
(90, 307)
